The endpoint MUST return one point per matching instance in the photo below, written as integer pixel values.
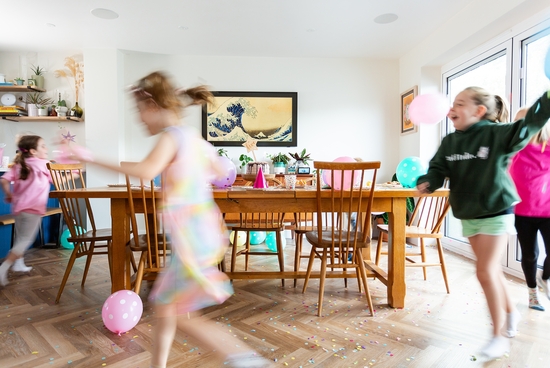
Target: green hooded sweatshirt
(476, 162)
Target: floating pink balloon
(230, 173)
(429, 109)
(122, 311)
(327, 176)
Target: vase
(76, 111)
(279, 167)
(61, 110)
(32, 110)
(19, 82)
(38, 80)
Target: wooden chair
(425, 222)
(152, 244)
(248, 222)
(76, 212)
(337, 243)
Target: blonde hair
(497, 109)
(158, 88)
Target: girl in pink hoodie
(31, 187)
(530, 170)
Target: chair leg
(140, 271)
(246, 254)
(365, 284)
(280, 254)
(423, 257)
(309, 267)
(70, 265)
(378, 249)
(443, 266)
(322, 281)
(356, 261)
(297, 254)
(234, 253)
(90, 252)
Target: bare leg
(488, 250)
(165, 330)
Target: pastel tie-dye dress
(198, 238)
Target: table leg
(120, 231)
(396, 253)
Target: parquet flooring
(434, 330)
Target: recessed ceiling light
(104, 13)
(51, 25)
(183, 28)
(386, 18)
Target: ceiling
(258, 28)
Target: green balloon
(65, 243)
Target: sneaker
(534, 300)
(496, 348)
(19, 266)
(512, 321)
(247, 360)
(544, 285)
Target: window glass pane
(536, 82)
(490, 74)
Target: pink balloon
(428, 109)
(122, 311)
(229, 176)
(327, 177)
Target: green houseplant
(19, 81)
(280, 160)
(301, 166)
(38, 75)
(244, 159)
(222, 152)
(37, 104)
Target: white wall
(466, 31)
(18, 65)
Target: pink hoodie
(530, 170)
(30, 195)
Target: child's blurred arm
(437, 171)
(6, 188)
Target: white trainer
(544, 285)
(19, 266)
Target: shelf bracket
(8, 119)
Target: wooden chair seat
(327, 238)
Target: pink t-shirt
(530, 170)
(30, 195)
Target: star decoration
(68, 136)
(250, 145)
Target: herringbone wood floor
(434, 330)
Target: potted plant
(38, 76)
(244, 159)
(61, 108)
(222, 152)
(301, 166)
(19, 81)
(280, 160)
(37, 104)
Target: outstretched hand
(423, 188)
(69, 153)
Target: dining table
(250, 200)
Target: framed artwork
(268, 117)
(407, 126)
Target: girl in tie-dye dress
(192, 281)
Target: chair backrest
(346, 199)
(143, 202)
(76, 211)
(430, 213)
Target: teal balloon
(257, 237)
(409, 170)
(547, 64)
(271, 241)
(65, 243)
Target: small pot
(279, 167)
(61, 110)
(42, 111)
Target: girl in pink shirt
(31, 186)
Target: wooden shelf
(41, 118)
(22, 89)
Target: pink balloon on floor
(122, 311)
(429, 109)
(229, 176)
(327, 177)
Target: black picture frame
(271, 118)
